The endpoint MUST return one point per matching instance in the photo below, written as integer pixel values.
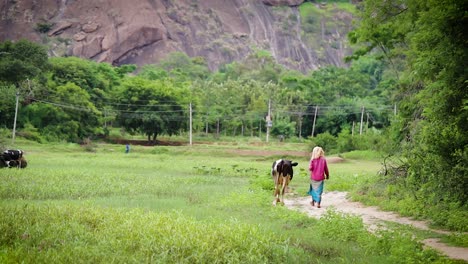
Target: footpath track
(373, 218)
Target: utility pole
(260, 129)
(14, 124)
(190, 132)
(300, 125)
(367, 122)
(362, 119)
(315, 117)
(268, 121)
(16, 115)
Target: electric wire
(323, 110)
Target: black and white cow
(282, 173)
(13, 158)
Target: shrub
(30, 132)
(341, 227)
(345, 141)
(43, 27)
(325, 140)
(88, 145)
(3, 139)
(283, 128)
(371, 140)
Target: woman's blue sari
(316, 190)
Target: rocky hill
(144, 31)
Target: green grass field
(199, 204)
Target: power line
(322, 111)
(73, 107)
(64, 105)
(136, 101)
(141, 105)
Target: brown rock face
(145, 31)
(283, 2)
(59, 28)
(90, 27)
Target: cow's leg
(279, 186)
(276, 193)
(13, 163)
(283, 188)
(275, 200)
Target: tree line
(425, 44)
(71, 98)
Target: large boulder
(144, 31)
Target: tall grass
(67, 233)
(200, 204)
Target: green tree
(431, 36)
(219, 105)
(96, 79)
(153, 72)
(7, 104)
(19, 61)
(152, 107)
(99, 80)
(182, 68)
(283, 128)
(260, 66)
(69, 115)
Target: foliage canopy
(430, 38)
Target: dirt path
(372, 217)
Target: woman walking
(318, 173)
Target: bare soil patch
(147, 143)
(373, 217)
(267, 153)
(281, 153)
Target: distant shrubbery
(3, 133)
(345, 142)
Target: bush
(345, 141)
(31, 133)
(326, 140)
(342, 227)
(88, 145)
(3, 139)
(283, 128)
(43, 27)
(371, 140)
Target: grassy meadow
(201, 204)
